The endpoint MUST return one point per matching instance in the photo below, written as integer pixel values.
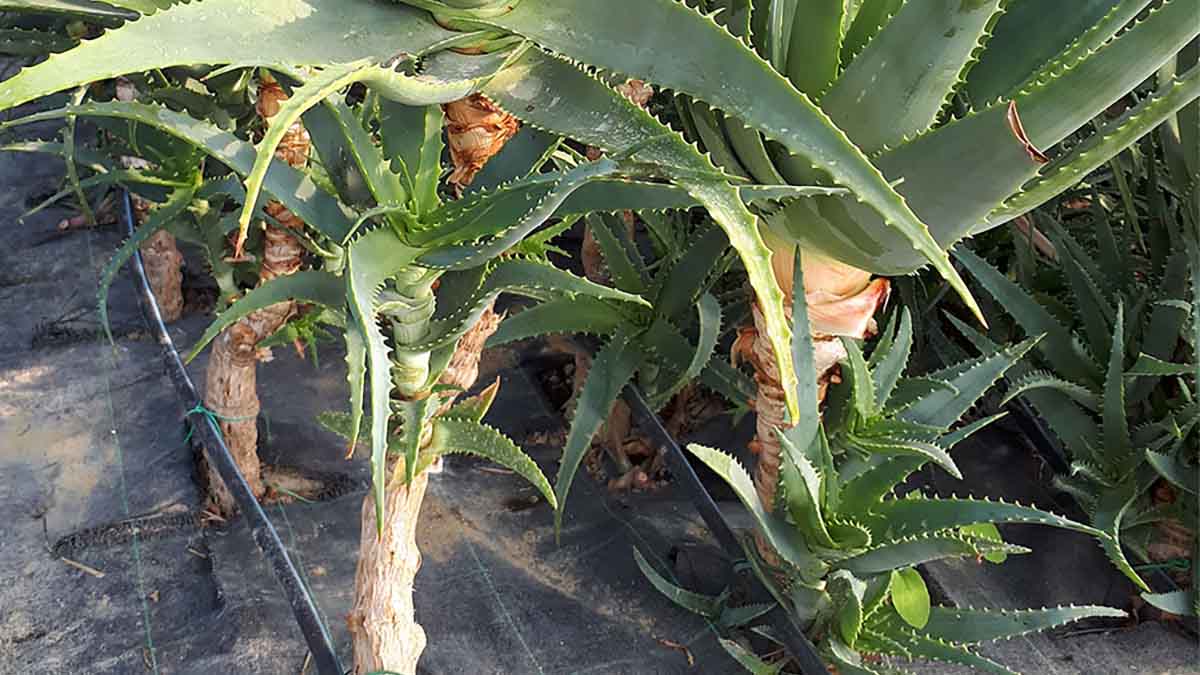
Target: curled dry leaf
(476, 130)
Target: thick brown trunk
(841, 301)
(231, 390)
(463, 369)
(163, 263)
(164, 271)
(231, 393)
(383, 622)
(771, 413)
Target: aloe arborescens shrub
(958, 104)
(847, 539)
(896, 216)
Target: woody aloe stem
(231, 390)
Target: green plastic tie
(214, 417)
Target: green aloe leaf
(871, 17)
(509, 233)
(713, 66)
(814, 46)
(520, 277)
(890, 366)
(748, 660)
(343, 142)
(613, 368)
(910, 597)
(321, 288)
(908, 517)
(848, 592)
(1057, 344)
(466, 436)
(1179, 474)
(1118, 445)
(904, 641)
(900, 553)
(804, 432)
(294, 189)
(1180, 603)
(1024, 43)
(581, 315)
(1093, 153)
(273, 33)
(1041, 380)
(356, 374)
(708, 312)
(906, 446)
(621, 257)
(696, 603)
(413, 415)
(986, 531)
(1057, 104)
(372, 259)
(79, 8)
(863, 385)
(973, 626)
(782, 537)
(1148, 366)
(801, 482)
(925, 50)
(474, 409)
(412, 137)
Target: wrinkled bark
(464, 364)
(769, 404)
(164, 270)
(476, 130)
(162, 260)
(231, 390)
(383, 622)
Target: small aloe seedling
(846, 543)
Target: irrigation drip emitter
(206, 432)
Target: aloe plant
(662, 345)
(848, 542)
(1032, 88)
(1117, 378)
(958, 104)
(387, 241)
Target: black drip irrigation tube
(316, 634)
(791, 634)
